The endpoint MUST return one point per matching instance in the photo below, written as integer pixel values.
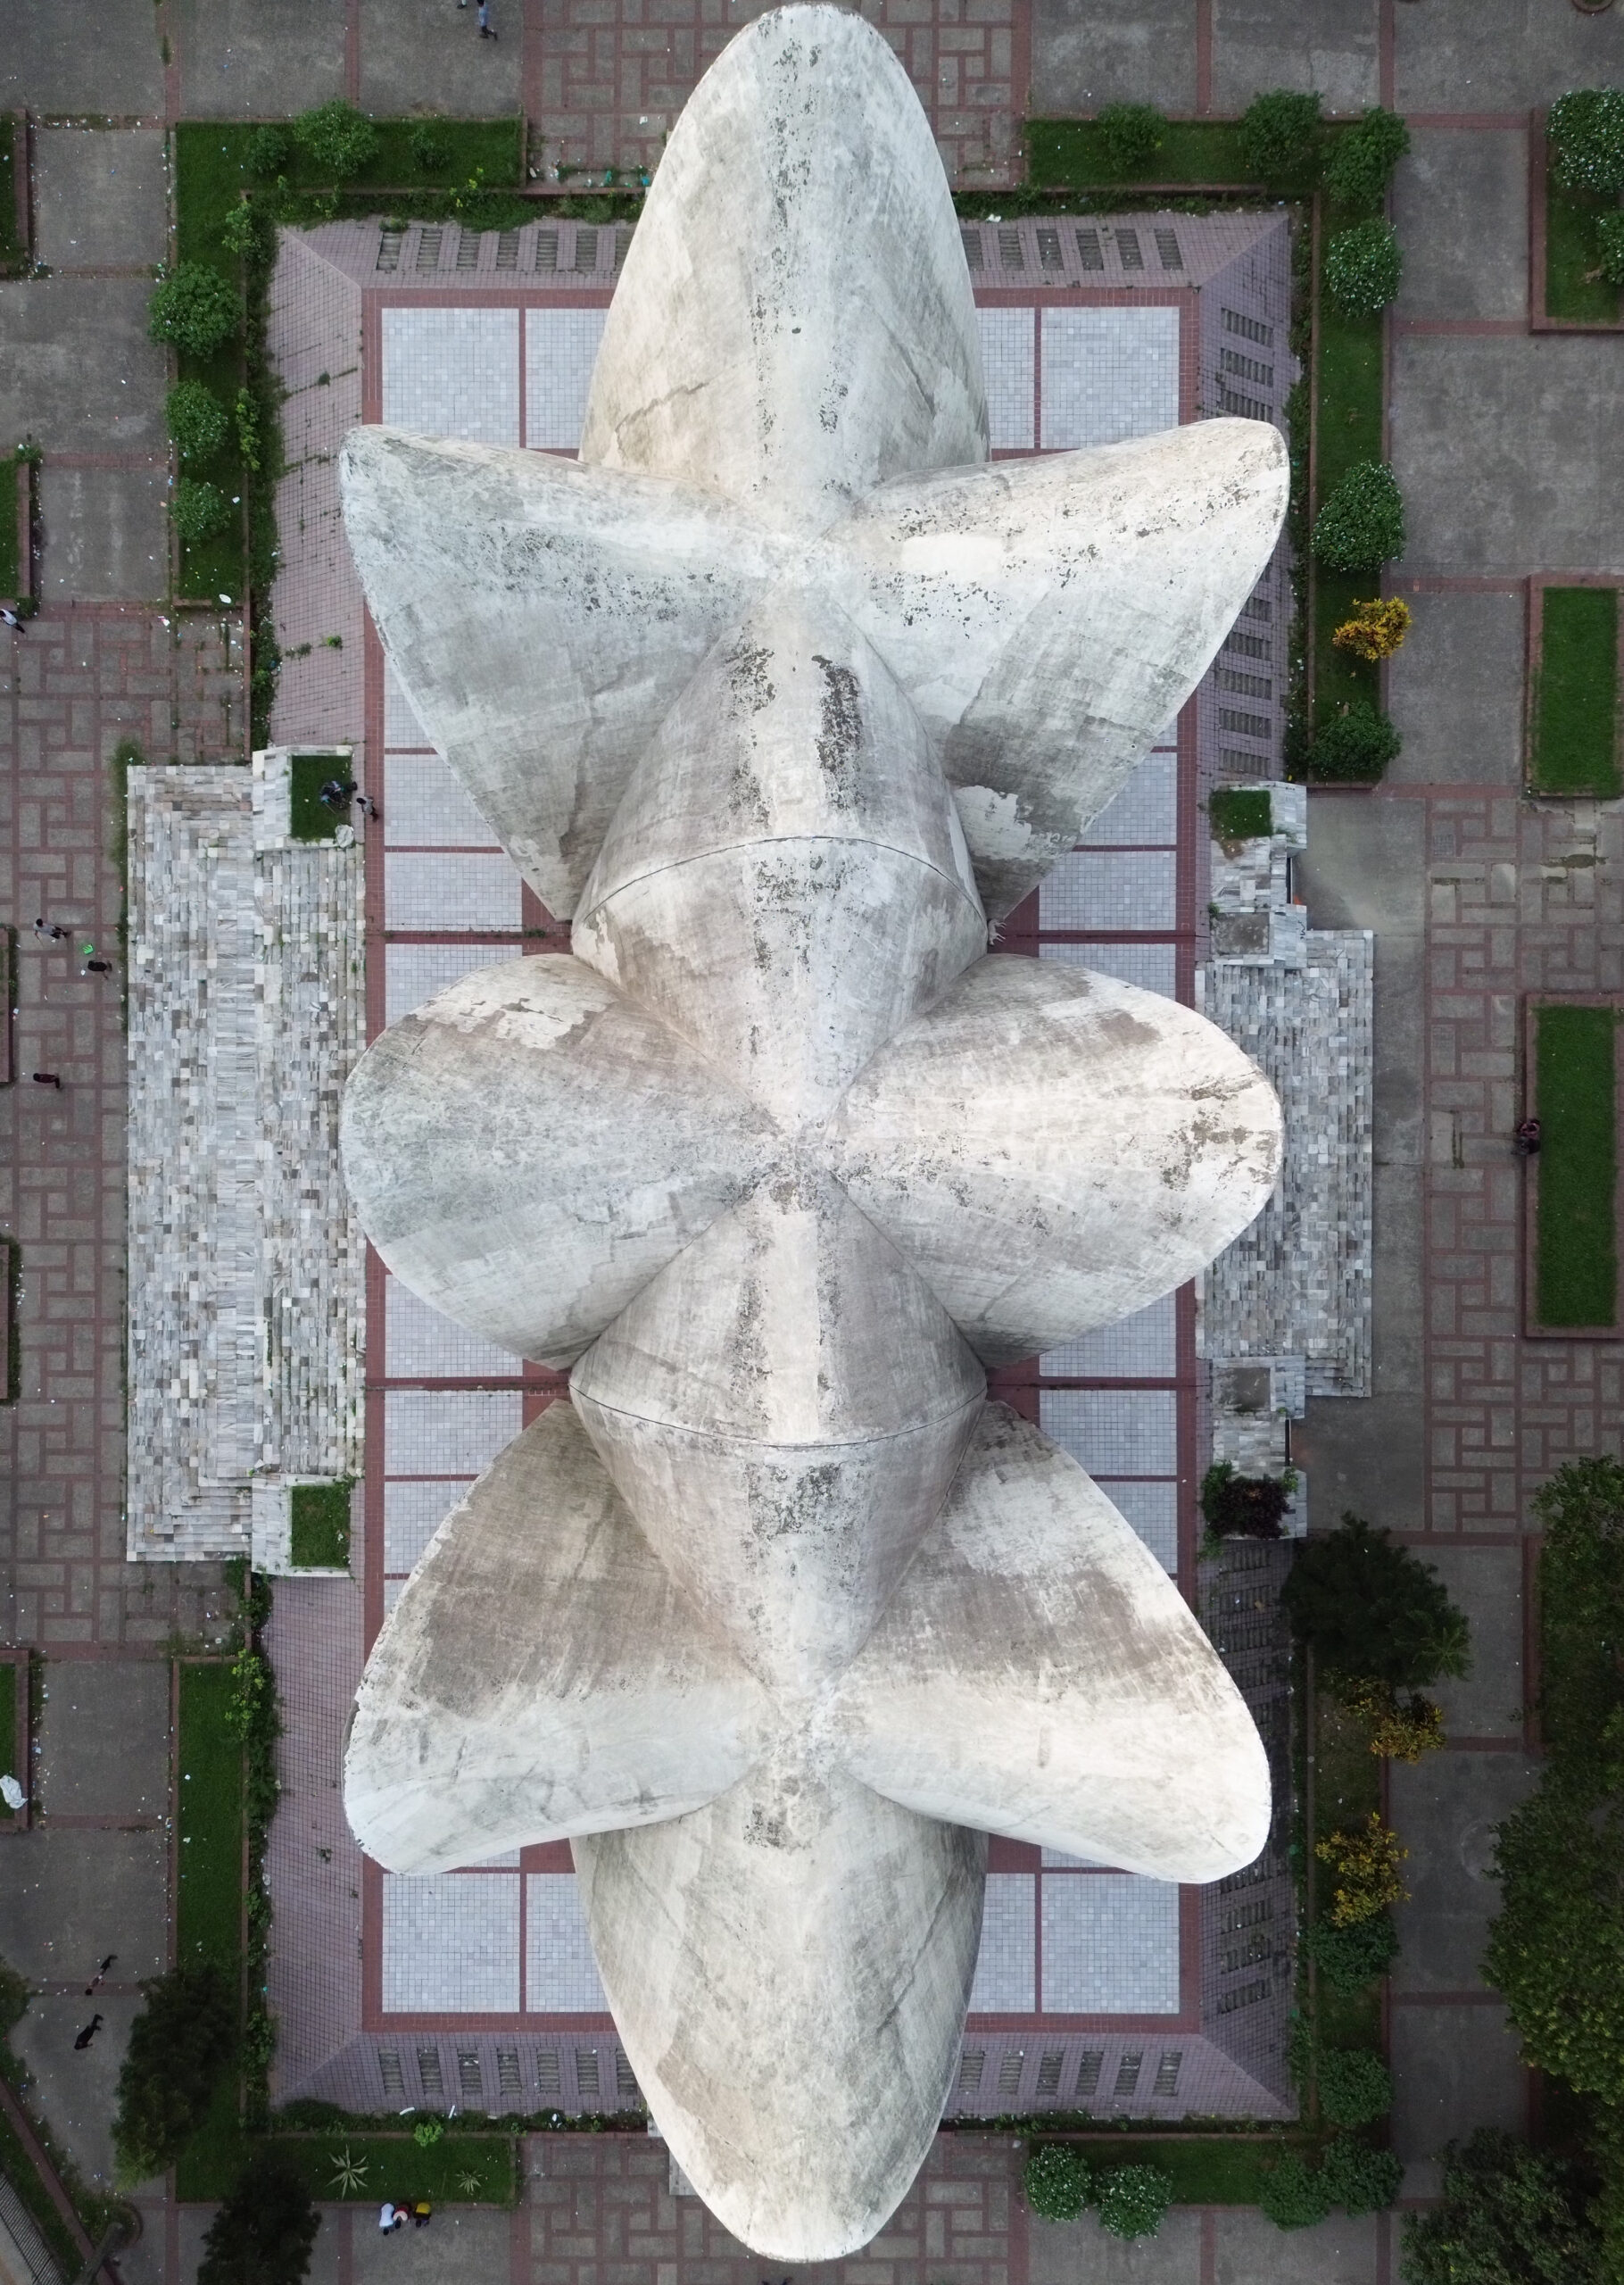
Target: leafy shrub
(1354, 745)
(431, 153)
(1509, 2215)
(200, 510)
(252, 1691)
(1057, 2181)
(1586, 132)
(1610, 241)
(270, 153)
(1581, 1604)
(1376, 629)
(1360, 165)
(1366, 1864)
(1242, 1506)
(337, 139)
(1291, 2196)
(1362, 525)
(264, 2232)
(1372, 1611)
(1132, 134)
(1134, 2200)
(196, 421)
(1400, 1730)
(1279, 135)
(179, 2045)
(1350, 1958)
(1363, 268)
(428, 2131)
(1357, 2178)
(1355, 2086)
(239, 227)
(194, 309)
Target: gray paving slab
(1487, 1583)
(1086, 54)
(195, 2221)
(427, 56)
(1460, 207)
(101, 197)
(1478, 55)
(1369, 1455)
(80, 374)
(1506, 448)
(1445, 1808)
(76, 1893)
(1454, 2069)
(1456, 691)
(1330, 44)
(77, 2092)
(145, 2262)
(103, 534)
(260, 59)
(461, 2243)
(1249, 2250)
(104, 1737)
(81, 55)
(1080, 2253)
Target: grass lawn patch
(1206, 2171)
(1572, 253)
(12, 253)
(1576, 1249)
(364, 2169)
(321, 1526)
(1065, 152)
(209, 1900)
(310, 818)
(8, 1737)
(11, 569)
(1237, 815)
(1575, 744)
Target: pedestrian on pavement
(364, 802)
(11, 617)
(385, 2216)
(48, 932)
(100, 1972)
(1529, 1138)
(45, 1078)
(87, 2034)
(486, 30)
(422, 2214)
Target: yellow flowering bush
(1376, 629)
(1366, 1865)
(1401, 1729)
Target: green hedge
(1576, 1253)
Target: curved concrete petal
(1039, 1675)
(542, 616)
(783, 1409)
(541, 1675)
(529, 1148)
(1052, 1150)
(785, 880)
(1049, 617)
(789, 1969)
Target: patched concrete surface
(103, 534)
(1454, 2069)
(1080, 2253)
(1445, 1807)
(1487, 1583)
(77, 1893)
(77, 2092)
(1460, 204)
(1330, 44)
(1500, 55)
(462, 2243)
(81, 55)
(101, 197)
(1086, 54)
(1249, 2250)
(105, 1738)
(260, 59)
(79, 373)
(1455, 690)
(427, 56)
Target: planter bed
(1571, 1200)
(1573, 690)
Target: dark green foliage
(1134, 2200)
(1242, 1507)
(1291, 2194)
(270, 153)
(1363, 268)
(1057, 2181)
(431, 153)
(1354, 745)
(1351, 1958)
(193, 309)
(1581, 1606)
(312, 820)
(321, 1526)
(1576, 691)
(1280, 135)
(1509, 2215)
(1371, 1611)
(179, 2046)
(1355, 2086)
(199, 509)
(1357, 2178)
(335, 138)
(1577, 1249)
(264, 2232)
(196, 421)
(1362, 163)
(1586, 130)
(1610, 239)
(1362, 525)
(1132, 134)
(1240, 813)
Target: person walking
(100, 1974)
(96, 967)
(46, 1079)
(87, 2034)
(48, 932)
(11, 618)
(487, 29)
(364, 802)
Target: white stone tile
(1091, 888)
(1146, 812)
(448, 1432)
(560, 1974)
(452, 372)
(1144, 1347)
(1006, 1966)
(1108, 374)
(1132, 1433)
(412, 1515)
(451, 892)
(419, 1344)
(1152, 967)
(451, 1944)
(414, 973)
(401, 726)
(560, 350)
(392, 1594)
(1110, 1945)
(1008, 355)
(426, 807)
(1151, 1509)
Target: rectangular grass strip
(209, 1900)
(1575, 1246)
(1576, 693)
